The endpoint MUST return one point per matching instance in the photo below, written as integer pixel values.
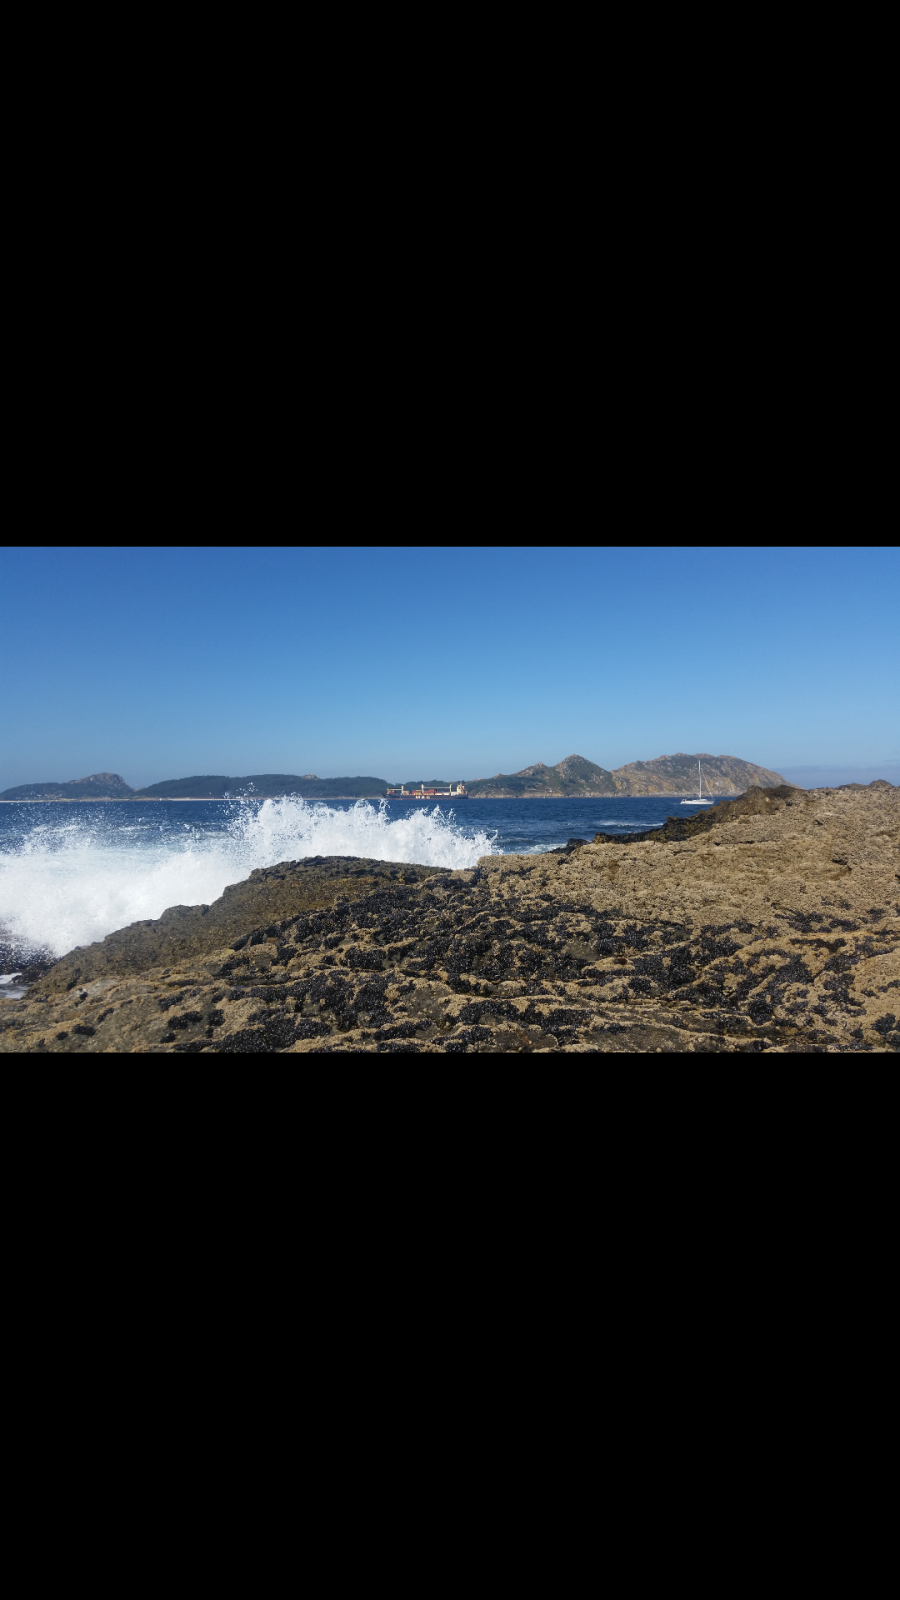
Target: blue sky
(451, 663)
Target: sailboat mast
(700, 776)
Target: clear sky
(452, 663)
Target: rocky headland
(769, 923)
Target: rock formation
(768, 924)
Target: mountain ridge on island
(99, 786)
(573, 777)
(110, 786)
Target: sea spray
(290, 829)
(71, 882)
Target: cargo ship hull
(439, 794)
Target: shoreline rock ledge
(771, 923)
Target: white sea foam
(72, 883)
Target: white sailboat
(700, 801)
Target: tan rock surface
(770, 924)
(185, 932)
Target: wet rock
(269, 893)
(28, 965)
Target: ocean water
(72, 872)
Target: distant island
(572, 778)
(666, 775)
(99, 786)
(109, 786)
(268, 784)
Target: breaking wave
(68, 883)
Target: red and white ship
(424, 793)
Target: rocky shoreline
(769, 923)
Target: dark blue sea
(73, 871)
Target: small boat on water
(700, 800)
